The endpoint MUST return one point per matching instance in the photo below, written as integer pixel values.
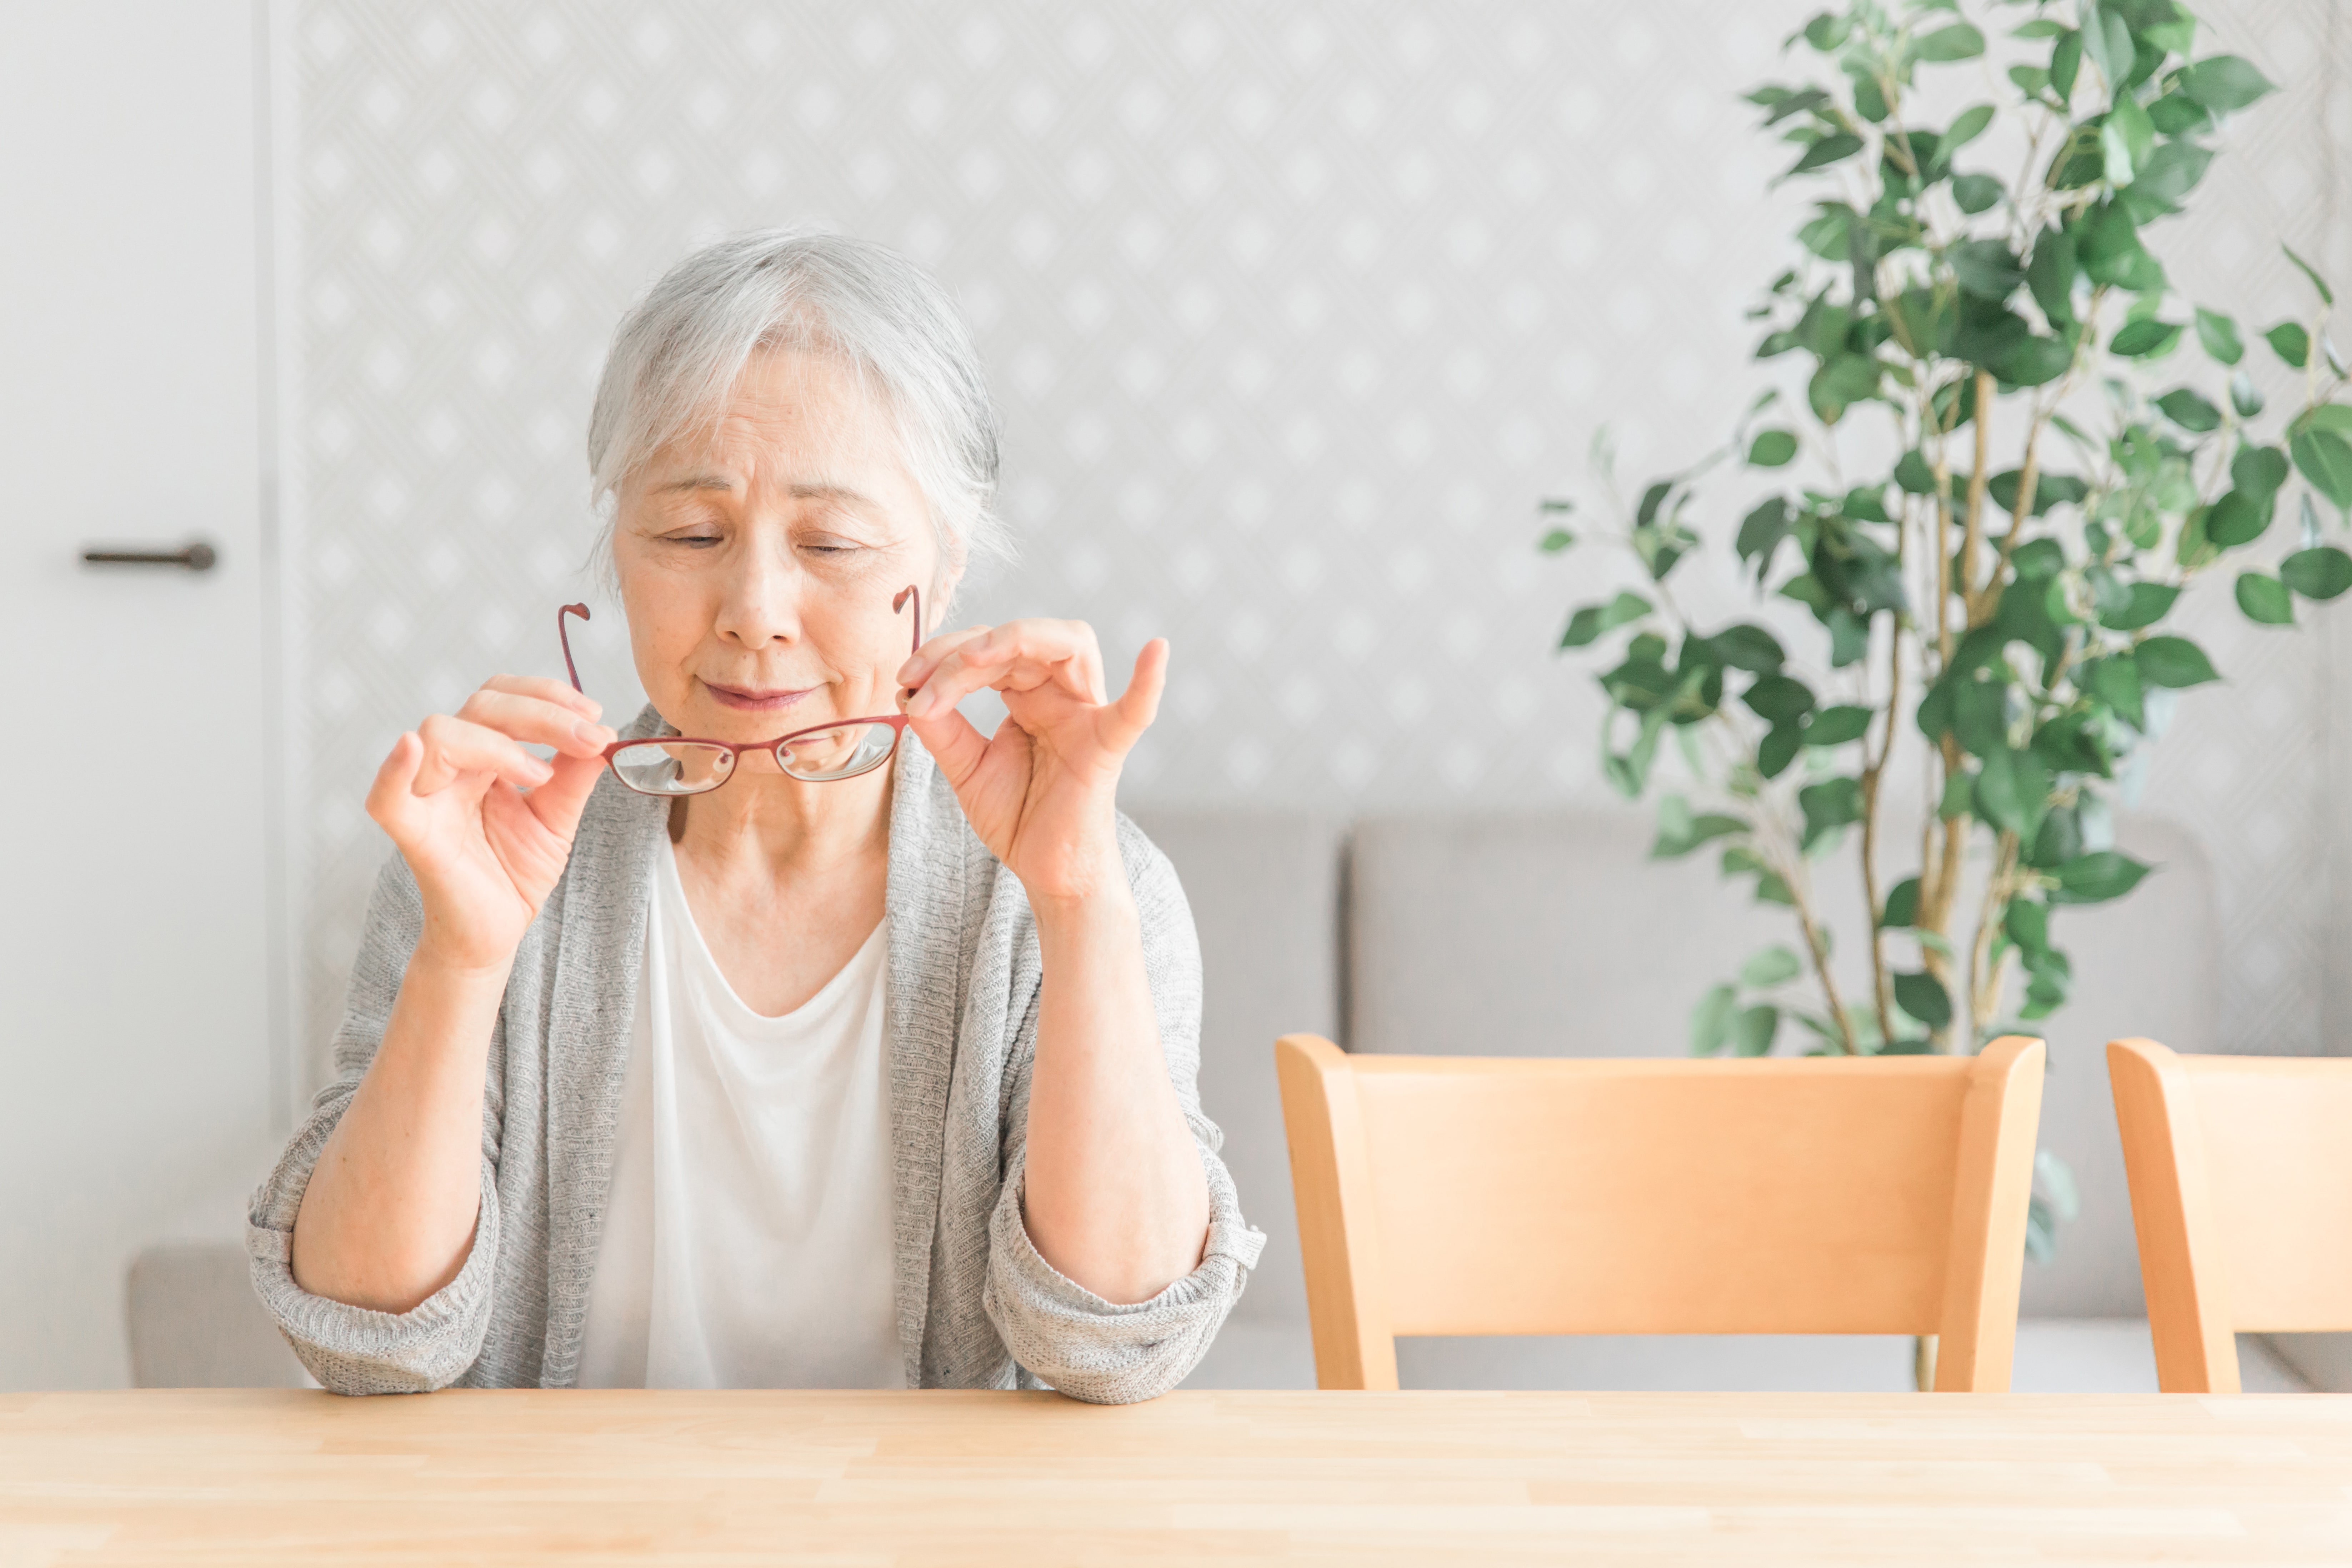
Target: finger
(1138, 705)
(927, 657)
(389, 797)
(557, 803)
(535, 721)
(953, 743)
(547, 691)
(1019, 656)
(453, 746)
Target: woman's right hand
(486, 827)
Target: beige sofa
(1516, 933)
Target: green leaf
(2049, 1173)
(2035, 361)
(2237, 519)
(1827, 31)
(1681, 833)
(2322, 571)
(2265, 599)
(2243, 396)
(1966, 127)
(2051, 274)
(2223, 82)
(1958, 42)
(2149, 603)
(1913, 474)
(2290, 342)
(1744, 647)
(2013, 791)
(2219, 334)
(1923, 997)
(1711, 1020)
(2065, 63)
(2162, 180)
(2125, 139)
(1975, 193)
(1752, 1031)
(2188, 410)
(2177, 114)
(1761, 530)
(1825, 236)
(1774, 966)
(1771, 449)
(1828, 806)
(1778, 750)
(2326, 460)
(1901, 903)
(1780, 700)
(2028, 924)
(1595, 619)
(1986, 268)
(1557, 540)
(2173, 662)
(1827, 151)
(2096, 878)
(2327, 295)
(1791, 103)
(2107, 40)
(2259, 471)
(1837, 726)
(2115, 682)
(2143, 338)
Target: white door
(136, 1047)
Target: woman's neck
(790, 829)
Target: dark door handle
(197, 557)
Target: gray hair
(677, 353)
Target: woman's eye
(699, 541)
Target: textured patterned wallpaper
(1293, 309)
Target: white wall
(1294, 311)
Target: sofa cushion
(1264, 892)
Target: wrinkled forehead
(800, 423)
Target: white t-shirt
(747, 1237)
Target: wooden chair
(1472, 1195)
(2242, 1194)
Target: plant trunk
(1923, 1363)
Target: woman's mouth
(752, 700)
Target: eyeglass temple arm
(899, 604)
(563, 634)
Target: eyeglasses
(678, 765)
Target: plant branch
(1973, 529)
(1984, 975)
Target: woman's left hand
(1040, 792)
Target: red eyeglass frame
(898, 722)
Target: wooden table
(247, 1476)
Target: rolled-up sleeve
(1089, 1348)
(353, 1349)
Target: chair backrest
(1493, 1196)
(2241, 1195)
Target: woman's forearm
(389, 1216)
(1116, 1199)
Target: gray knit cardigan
(977, 1307)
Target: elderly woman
(813, 1039)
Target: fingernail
(907, 672)
(594, 734)
(596, 708)
(921, 703)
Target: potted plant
(2017, 446)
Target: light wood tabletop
(194, 1475)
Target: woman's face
(758, 565)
